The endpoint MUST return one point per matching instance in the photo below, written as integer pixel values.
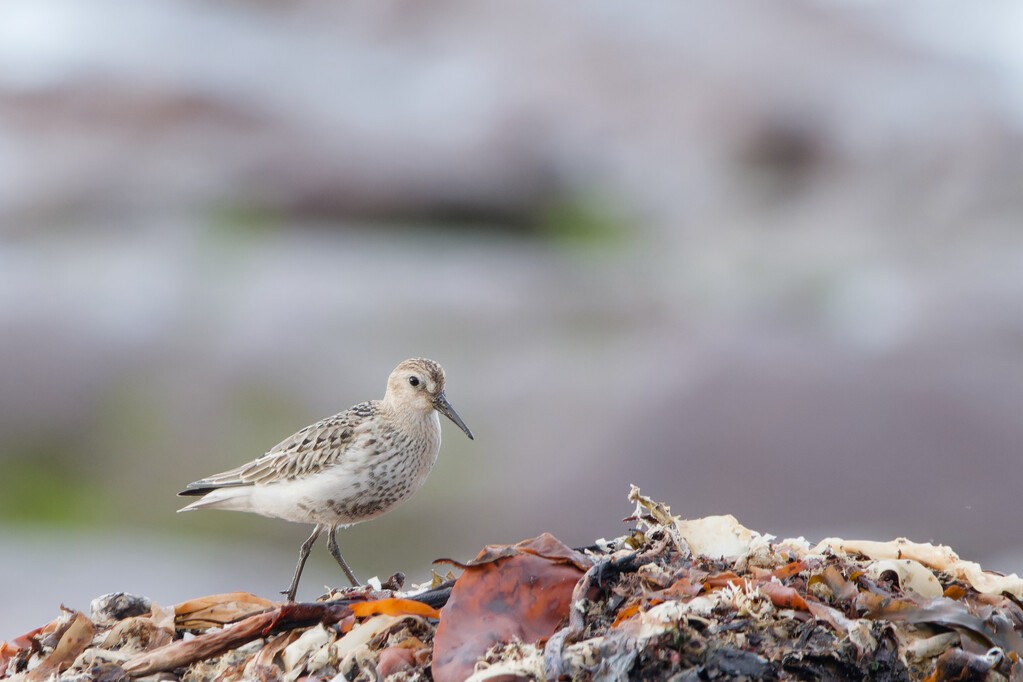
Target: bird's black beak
(442, 406)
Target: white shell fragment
(935, 557)
(913, 576)
(310, 642)
(717, 536)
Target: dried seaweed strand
(181, 654)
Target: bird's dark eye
(414, 381)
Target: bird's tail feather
(233, 499)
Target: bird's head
(418, 384)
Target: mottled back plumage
(308, 451)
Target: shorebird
(344, 469)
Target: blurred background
(763, 259)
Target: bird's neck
(416, 422)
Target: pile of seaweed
(674, 599)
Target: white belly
(363, 486)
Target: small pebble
(116, 606)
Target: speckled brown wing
(308, 451)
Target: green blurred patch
(241, 220)
(42, 485)
(583, 219)
(80, 476)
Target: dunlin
(345, 469)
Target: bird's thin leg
(302, 556)
(335, 552)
